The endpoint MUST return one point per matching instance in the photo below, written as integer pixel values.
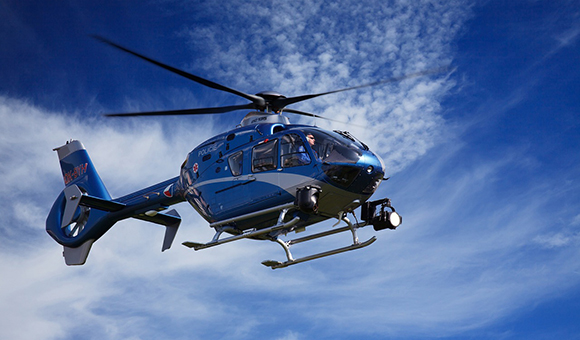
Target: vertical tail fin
(77, 168)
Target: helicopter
(262, 180)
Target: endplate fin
(77, 256)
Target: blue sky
(483, 162)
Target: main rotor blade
(207, 110)
(255, 99)
(283, 102)
(317, 116)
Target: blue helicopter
(263, 180)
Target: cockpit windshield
(332, 147)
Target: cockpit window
(293, 152)
(265, 156)
(332, 147)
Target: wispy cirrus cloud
(312, 47)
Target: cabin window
(293, 152)
(235, 162)
(264, 156)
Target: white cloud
(568, 37)
(556, 240)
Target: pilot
(302, 154)
(312, 141)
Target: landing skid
(277, 264)
(287, 244)
(381, 221)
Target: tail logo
(75, 173)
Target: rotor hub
(271, 97)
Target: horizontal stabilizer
(171, 220)
(101, 204)
(167, 218)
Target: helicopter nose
(364, 177)
(373, 173)
(372, 164)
